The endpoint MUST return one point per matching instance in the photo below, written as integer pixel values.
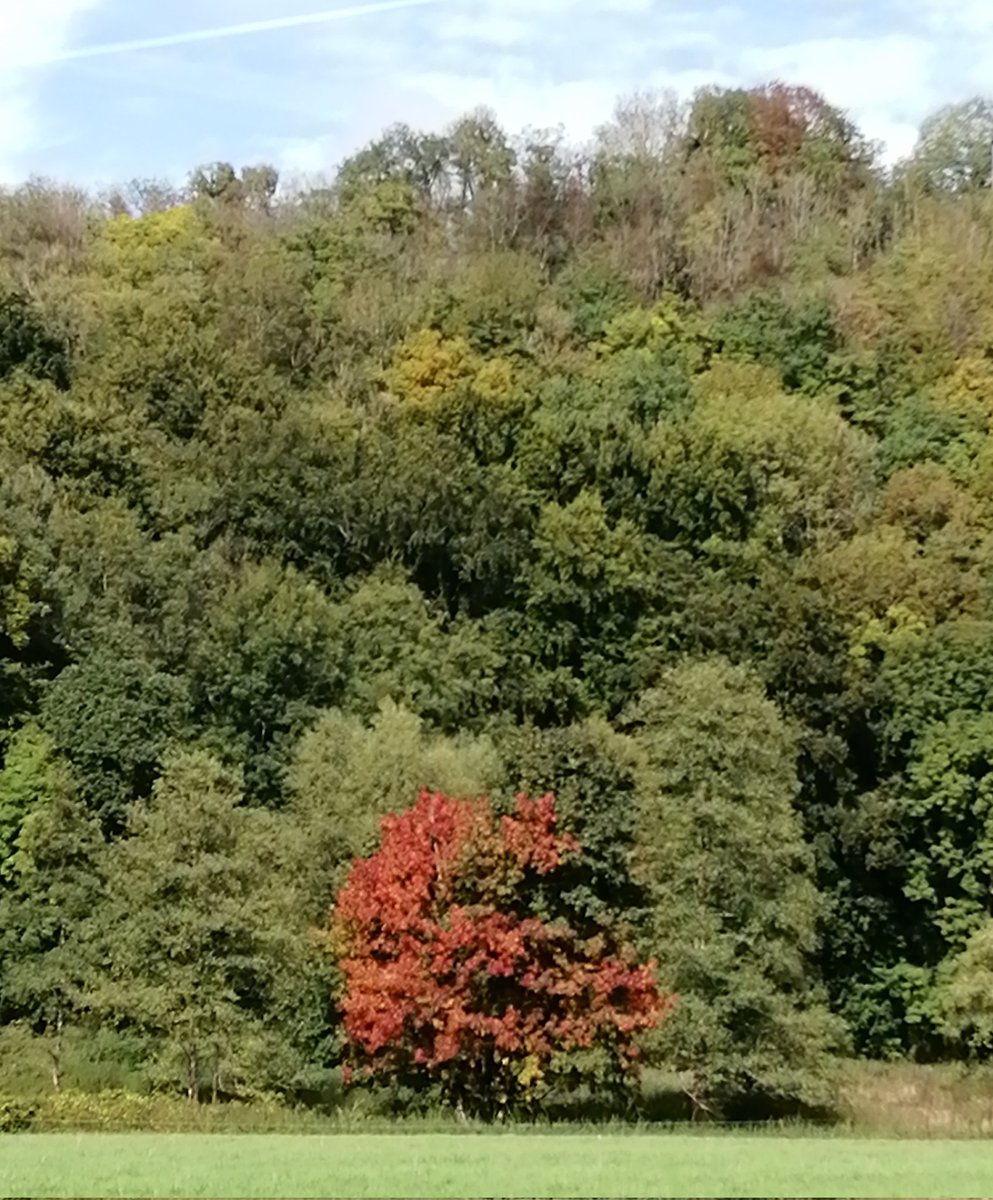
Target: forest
(654, 474)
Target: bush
(117, 1110)
(16, 1114)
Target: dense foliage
(459, 972)
(655, 474)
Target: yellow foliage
(652, 330)
(530, 1071)
(732, 384)
(141, 248)
(494, 380)
(924, 498)
(874, 572)
(427, 366)
(900, 626)
(968, 391)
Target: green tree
(265, 659)
(734, 908)
(396, 645)
(113, 715)
(53, 886)
(944, 814)
(589, 586)
(347, 774)
(204, 951)
(953, 151)
(593, 772)
(966, 994)
(27, 778)
(27, 344)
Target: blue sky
(305, 95)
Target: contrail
(225, 31)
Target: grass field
(450, 1165)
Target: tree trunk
(56, 1051)
(192, 1074)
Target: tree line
(655, 474)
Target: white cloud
(307, 99)
(947, 16)
(29, 33)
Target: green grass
(449, 1165)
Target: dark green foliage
(918, 430)
(26, 343)
(114, 714)
(799, 343)
(592, 771)
(265, 659)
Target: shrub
(16, 1114)
(116, 1110)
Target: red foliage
(787, 119)
(448, 977)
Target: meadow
(491, 1164)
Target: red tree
(451, 977)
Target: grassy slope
(443, 1165)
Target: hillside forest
(655, 474)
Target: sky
(97, 92)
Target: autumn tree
(454, 977)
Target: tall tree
(48, 962)
(204, 952)
(734, 907)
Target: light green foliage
(30, 774)
(966, 998)
(17, 605)
(668, 331)
(346, 774)
(734, 908)
(203, 950)
(750, 461)
(394, 645)
(946, 810)
(52, 886)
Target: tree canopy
(654, 474)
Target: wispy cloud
(216, 33)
